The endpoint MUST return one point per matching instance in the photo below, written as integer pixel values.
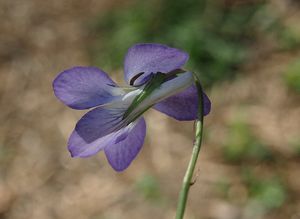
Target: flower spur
(115, 124)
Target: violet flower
(116, 125)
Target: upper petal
(151, 58)
(123, 152)
(84, 87)
(184, 105)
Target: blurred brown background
(248, 53)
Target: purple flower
(116, 125)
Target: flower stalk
(187, 180)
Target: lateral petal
(184, 105)
(85, 87)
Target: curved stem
(187, 180)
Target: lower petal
(96, 129)
(98, 123)
(134, 132)
(125, 149)
(184, 105)
(78, 147)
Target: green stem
(187, 180)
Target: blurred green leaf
(149, 188)
(294, 143)
(242, 144)
(216, 36)
(292, 76)
(288, 38)
(269, 192)
(223, 186)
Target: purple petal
(95, 130)
(78, 147)
(84, 87)
(123, 152)
(151, 58)
(98, 123)
(184, 105)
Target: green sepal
(155, 81)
